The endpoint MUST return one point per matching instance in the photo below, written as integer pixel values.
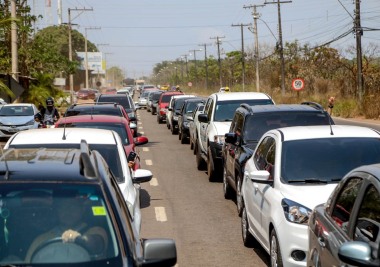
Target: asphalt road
(181, 203)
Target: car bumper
(6, 131)
(292, 238)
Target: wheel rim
(238, 196)
(273, 251)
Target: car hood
(309, 195)
(16, 120)
(222, 127)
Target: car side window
(209, 109)
(344, 203)
(367, 225)
(265, 155)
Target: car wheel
(239, 198)
(195, 143)
(275, 251)
(227, 190)
(159, 120)
(167, 124)
(183, 138)
(248, 239)
(198, 158)
(210, 166)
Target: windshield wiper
(308, 181)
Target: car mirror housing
(133, 125)
(140, 140)
(357, 253)
(230, 138)
(167, 255)
(203, 118)
(261, 176)
(142, 176)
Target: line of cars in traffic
(86, 156)
(283, 165)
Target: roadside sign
(298, 84)
(190, 84)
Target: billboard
(94, 60)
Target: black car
(123, 100)
(177, 104)
(347, 228)
(63, 207)
(249, 124)
(185, 116)
(155, 96)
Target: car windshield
(326, 159)
(257, 124)
(108, 151)
(93, 110)
(145, 94)
(16, 111)
(179, 103)
(117, 127)
(35, 217)
(225, 110)
(122, 100)
(190, 107)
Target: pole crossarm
(218, 43)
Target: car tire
(159, 121)
(198, 158)
(275, 251)
(239, 198)
(179, 135)
(183, 138)
(248, 239)
(210, 166)
(195, 143)
(227, 190)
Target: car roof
(172, 93)
(17, 105)
(283, 108)
(93, 118)
(240, 95)
(325, 131)
(372, 168)
(55, 136)
(66, 165)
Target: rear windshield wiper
(308, 181)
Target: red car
(117, 124)
(162, 106)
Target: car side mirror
(132, 125)
(170, 109)
(190, 118)
(142, 176)
(178, 113)
(230, 138)
(357, 253)
(203, 118)
(140, 140)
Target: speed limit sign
(298, 84)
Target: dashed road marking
(145, 149)
(160, 214)
(153, 182)
(140, 127)
(148, 162)
(142, 132)
(139, 122)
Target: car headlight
(31, 122)
(295, 212)
(219, 139)
(175, 118)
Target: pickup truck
(215, 123)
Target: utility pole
(59, 11)
(256, 16)
(280, 46)
(241, 25)
(195, 63)
(71, 50)
(187, 70)
(359, 33)
(86, 52)
(206, 64)
(14, 47)
(218, 42)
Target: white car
(293, 170)
(194, 125)
(215, 122)
(17, 117)
(171, 117)
(110, 146)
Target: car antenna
(64, 130)
(331, 130)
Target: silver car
(17, 117)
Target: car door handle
(321, 242)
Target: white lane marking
(160, 214)
(148, 162)
(145, 149)
(140, 127)
(153, 182)
(142, 132)
(139, 122)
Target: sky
(136, 35)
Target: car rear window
(123, 100)
(166, 98)
(257, 124)
(96, 110)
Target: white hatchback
(291, 171)
(109, 145)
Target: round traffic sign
(298, 84)
(190, 84)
